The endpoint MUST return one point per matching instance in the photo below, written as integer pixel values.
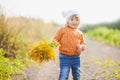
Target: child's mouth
(74, 24)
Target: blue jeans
(67, 62)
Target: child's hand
(54, 44)
(79, 50)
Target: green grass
(10, 67)
(110, 68)
(106, 35)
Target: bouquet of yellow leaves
(43, 51)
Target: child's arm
(58, 35)
(82, 45)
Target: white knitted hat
(69, 13)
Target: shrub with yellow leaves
(43, 51)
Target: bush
(13, 51)
(104, 34)
(9, 39)
(9, 67)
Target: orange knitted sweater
(69, 40)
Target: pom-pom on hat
(69, 13)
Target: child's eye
(77, 19)
(72, 19)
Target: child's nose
(74, 22)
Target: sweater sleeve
(82, 42)
(58, 35)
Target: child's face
(74, 21)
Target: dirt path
(50, 71)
